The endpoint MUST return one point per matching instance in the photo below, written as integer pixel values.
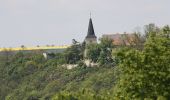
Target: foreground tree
(105, 56)
(145, 74)
(102, 52)
(93, 52)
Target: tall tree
(145, 74)
(93, 52)
(74, 53)
(105, 56)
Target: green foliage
(30, 67)
(151, 28)
(64, 96)
(101, 53)
(105, 56)
(145, 74)
(93, 52)
(139, 74)
(29, 77)
(74, 54)
(106, 43)
(59, 57)
(84, 94)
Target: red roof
(120, 39)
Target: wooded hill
(124, 73)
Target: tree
(93, 52)
(101, 53)
(106, 47)
(151, 28)
(136, 40)
(23, 47)
(74, 53)
(145, 74)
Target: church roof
(90, 33)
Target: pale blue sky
(41, 22)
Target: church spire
(91, 37)
(90, 33)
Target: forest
(137, 71)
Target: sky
(57, 22)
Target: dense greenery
(140, 71)
(30, 76)
(145, 74)
(101, 53)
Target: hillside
(30, 76)
(131, 72)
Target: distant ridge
(35, 48)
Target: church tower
(91, 37)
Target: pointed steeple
(91, 37)
(90, 33)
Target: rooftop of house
(120, 39)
